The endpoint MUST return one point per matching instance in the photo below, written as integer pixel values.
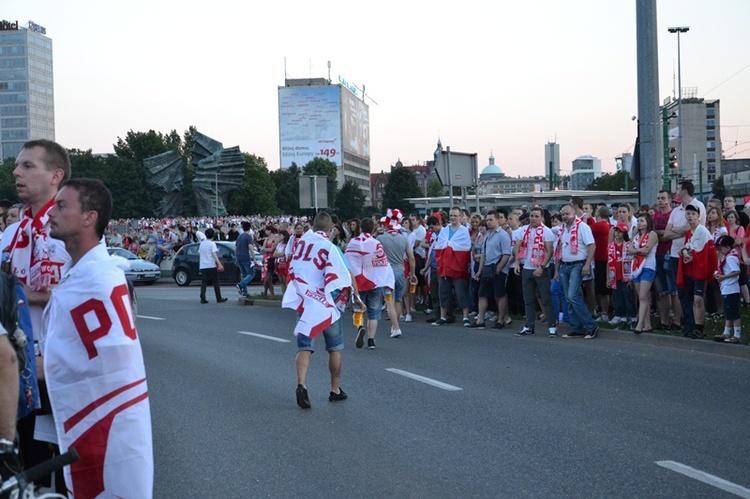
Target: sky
(500, 78)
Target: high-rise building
(325, 120)
(701, 139)
(585, 170)
(552, 164)
(27, 103)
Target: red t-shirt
(600, 230)
(660, 223)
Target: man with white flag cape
(453, 256)
(373, 274)
(92, 356)
(318, 282)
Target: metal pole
(679, 98)
(450, 178)
(665, 137)
(315, 192)
(700, 178)
(216, 192)
(650, 148)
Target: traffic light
(673, 157)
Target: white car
(140, 270)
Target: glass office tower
(27, 109)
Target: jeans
(247, 271)
(559, 300)
(571, 279)
(624, 301)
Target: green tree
(138, 146)
(402, 184)
(286, 181)
(435, 189)
(8, 181)
(258, 192)
(610, 182)
(349, 201)
(718, 189)
(320, 166)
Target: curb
(705, 346)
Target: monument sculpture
(218, 172)
(165, 173)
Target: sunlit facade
(27, 110)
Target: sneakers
(552, 332)
(592, 334)
(508, 321)
(476, 325)
(440, 322)
(499, 325)
(604, 318)
(302, 400)
(467, 323)
(733, 340)
(526, 331)
(360, 337)
(395, 333)
(371, 343)
(239, 289)
(335, 397)
(615, 321)
(428, 311)
(472, 314)
(401, 318)
(408, 318)
(573, 334)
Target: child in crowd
(619, 276)
(727, 275)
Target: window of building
(711, 122)
(711, 144)
(710, 134)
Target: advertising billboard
(309, 124)
(356, 126)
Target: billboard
(309, 124)
(356, 125)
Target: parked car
(185, 264)
(140, 270)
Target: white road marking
(429, 381)
(149, 317)
(706, 478)
(272, 338)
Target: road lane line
(272, 338)
(706, 478)
(149, 317)
(429, 381)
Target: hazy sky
(502, 77)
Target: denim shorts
(373, 300)
(398, 287)
(663, 279)
(646, 275)
(333, 334)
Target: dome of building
(492, 168)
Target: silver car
(140, 270)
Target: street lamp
(678, 30)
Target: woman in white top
(642, 248)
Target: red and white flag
(316, 271)
(367, 261)
(96, 380)
(453, 253)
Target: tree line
(263, 192)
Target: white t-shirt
(585, 237)
(549, 237)
(419, 234)
(206, 251)
(732, 285)
(677, 219)
(515, 235)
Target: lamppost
(678, 30)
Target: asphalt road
(514, 417)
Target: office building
(552, 164)
(27, 110)
(319, 119)
(585, 170)
(701, 139)
(492, 180)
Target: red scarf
(537, 246)
(573, 239)
(619, 268)
(29, 247)
(732, 252)
(639, 259)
